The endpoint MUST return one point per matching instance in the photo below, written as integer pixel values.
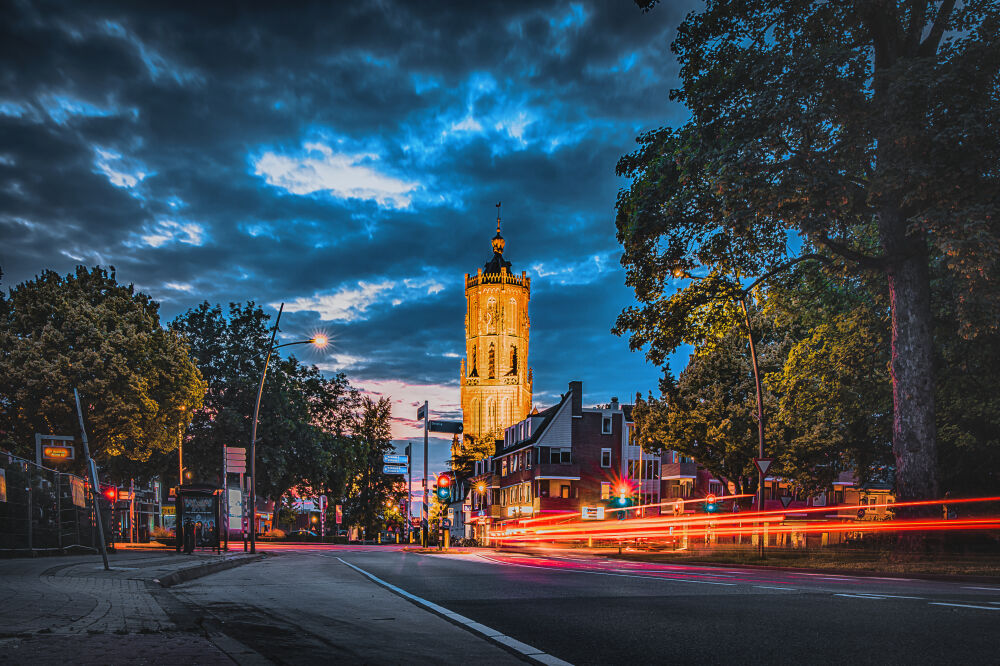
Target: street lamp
(741, 296)
(319, 341)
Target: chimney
(614, 404)
(576, 392)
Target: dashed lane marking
(774, 587)
(886, 596)
(494, 635)
(606, 573)
(941, 603)
(860, 596)
(993, 589)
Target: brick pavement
(69, 610)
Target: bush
(275, 534)
(162, 533)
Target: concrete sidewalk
(70, 610)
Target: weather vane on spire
(498, 239)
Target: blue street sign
(394, 459)
(394, 469)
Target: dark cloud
(198, 147)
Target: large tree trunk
(913, 429)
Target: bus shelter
(200, 517)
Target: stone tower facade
(495, 377)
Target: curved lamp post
(741, 296)
(319, 341)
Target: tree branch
(784, 267)
(868, 261)
(930, 45)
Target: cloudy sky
(345, 159)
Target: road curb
(190, 573)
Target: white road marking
(774, 587)
(471, 625)
(860, 596)
(941, 603)
(994, 589)
(884, 596)
(604, 573)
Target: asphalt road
(588, 610)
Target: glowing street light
(318, 340)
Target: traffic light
(111, 494)
(622, 500)
(710, 504)
(444, 487)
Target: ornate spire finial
(498, 239)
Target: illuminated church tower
(496, 379)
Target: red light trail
(740, 524)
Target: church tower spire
(496, 384)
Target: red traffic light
(710, 499)
(443, 480)
(111, 494)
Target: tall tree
(370, 491)
(823, 120)
(137, 385)
(305, 418)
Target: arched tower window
(513, 360)
(512, 321)
(474, 372)
(493, 362)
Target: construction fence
(44, 509)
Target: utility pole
(425, 516)
(409, 488)
(95, 486)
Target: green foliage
(710, 411)
(137, 385)
(466, 451)
(305, 424)
(369, 490)
(865, 129)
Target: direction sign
(786, 500)
(394, 469)
(446, 523)
(763, 464)
(394, 459)
(454, 427)
(236, 460)
(592, 513)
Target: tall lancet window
(493, 361)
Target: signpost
(236, 463)
(592, 513)
(786, 500)
(395, 459)
(422, 414)
(322, 516)
(394, 469)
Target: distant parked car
(297, 534)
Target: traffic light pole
(425, 515)
(95, 486)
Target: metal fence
(43, 509)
